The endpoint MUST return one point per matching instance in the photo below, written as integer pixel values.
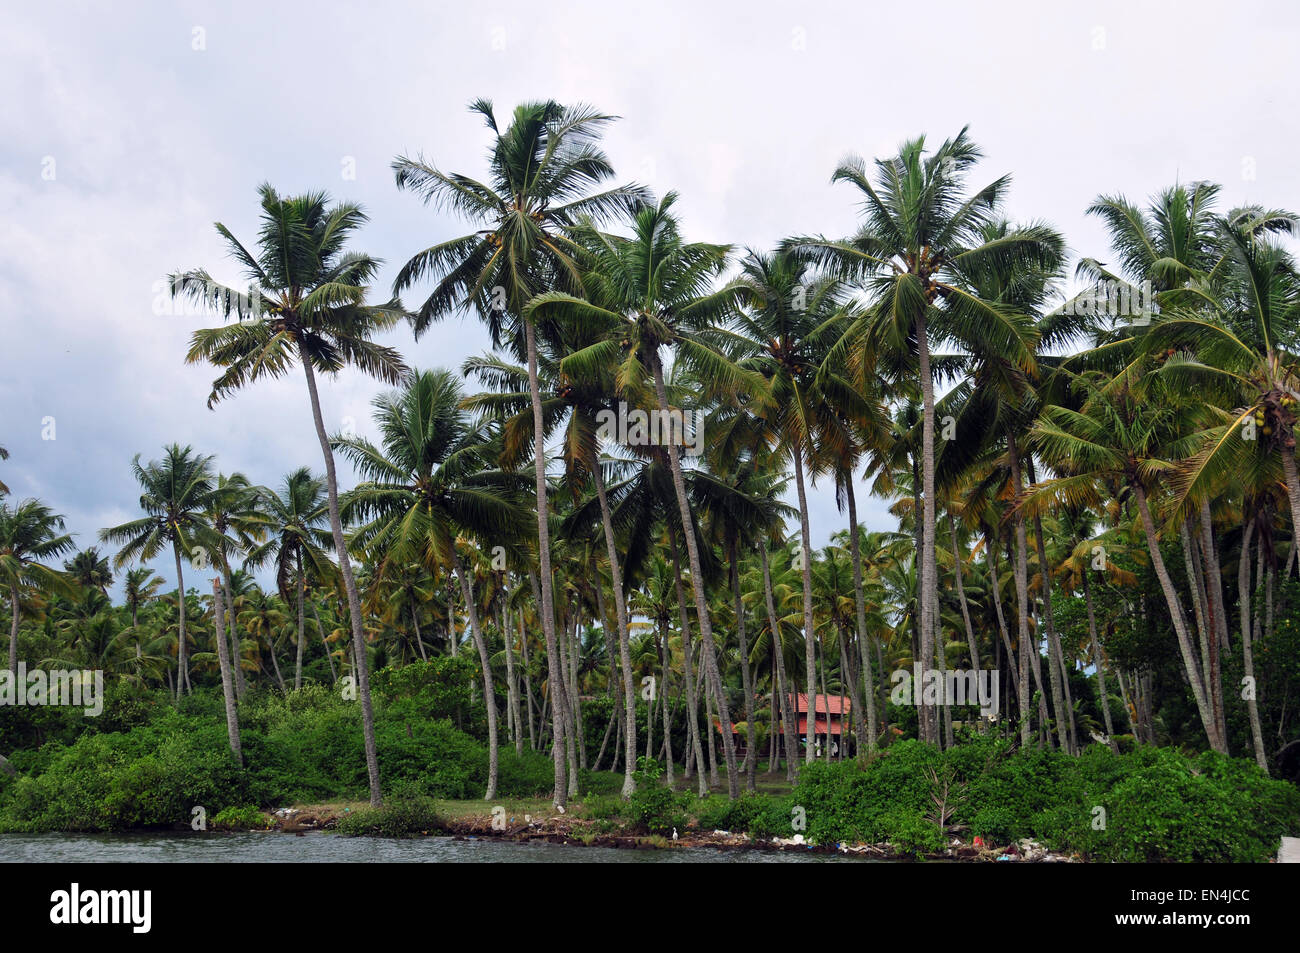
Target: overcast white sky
(129, 129)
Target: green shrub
(240, 819)
(405, 817)
(654, 808)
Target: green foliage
(654, 808)
(399, 817)
(246, 818)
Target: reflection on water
(330, 848)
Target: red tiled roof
(838, 704)
(837, 727)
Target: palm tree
(175, 492)
(921, 237)
(791, 322)
(31, 534)
(234, 516)
(295, 516)
(428, 484)
(307, 303)
(648, 292)
(1117, 438)
(542, 168)
(90, 570)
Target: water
(331, 848)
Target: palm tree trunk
(860, 608)
(512, 676)
(547, 606)
(624, 641)
(349, 584)
(778, 655)
(1292, 489)
(489, 693)
(329, 656)
(688, 677)
(241, 685)
(697, 584)
(1022, 593)
(1218, 615)
(929, 576)
(181, 675)
(745, 678)
(528, 683)
(667, 713)
(13, 630)
(1179, 621)
(961, 595)
(1100, 662)
(1248, 658)
(1060, 675)
(302, 628)
(991, 557)
(227, 681)
(809, 631)
(275, 665)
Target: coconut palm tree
(307, 303)
(176, 490)
(921, 235)
(542, 169)
(1117, 438)
(428, 484)
(31, 534)
(296, 516)
(90, 570)
(645, 293)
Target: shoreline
(582, 832)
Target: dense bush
(399, 817)
(1153, 804)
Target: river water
(331, 848)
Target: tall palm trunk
(624, 642)
(1179, 621)
(1247, 650)
(1022, 593)
(710, 652)
(751, 753)
(1218, 615)
(349, 584)
(559, 793)
(241, 686)
(182, 677)
(489, 693)
(778, 654)
(13, 629)
(667, 714)
(929, 578)
(1060, 674)
(302, 629)
(696, 750)
(860, 608)
(227, 681)
(1104, 700)
(512, 676)
(961, 595)
(1292, 488)
(809, 632)
(991, 557)
(329, 657)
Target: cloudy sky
(130, 129)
